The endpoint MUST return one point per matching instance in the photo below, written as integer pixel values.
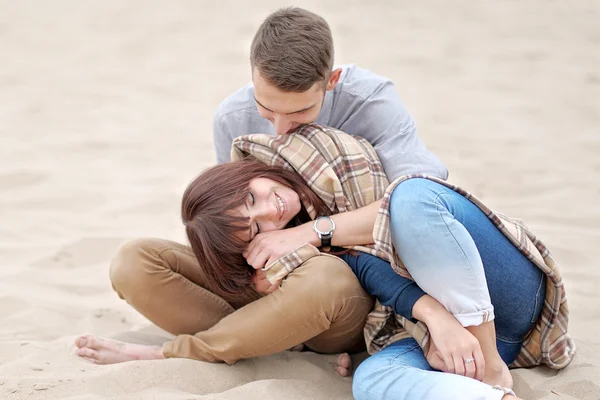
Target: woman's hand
(452, 346)
(268, 247)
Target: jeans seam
(393, 360)
(507, 340)
(438, 205)
(537, 299)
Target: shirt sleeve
(384, 121)
(378, 278)
(222, 139)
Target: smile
(281, 206)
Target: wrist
(428, 310)
(324, 227)
(307, 234)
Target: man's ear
(334, 78)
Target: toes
(341, 371)
(86, 352)
(81, 341)
(93, 342)
(344, 361)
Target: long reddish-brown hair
(211, 227)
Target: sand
(105, 115)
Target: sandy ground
(105, 115)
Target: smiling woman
(248, 199)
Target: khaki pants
(320, 304)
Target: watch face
(324, 226)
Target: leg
(320, 304)
(439, 233)
(400, 371)
(163, 281)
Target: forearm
(378, 278)
(429, 310)
(352, 228)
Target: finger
(251, 249)
(470, 367)
(254, 258)
(437, 362)
(479, 364)
(272, 288)
(459, 365)
(259, 260)
(449, 362)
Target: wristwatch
(325, 236)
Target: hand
(262, 284)
(268, 247)
(451, 344)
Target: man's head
(292, 61)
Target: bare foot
(497, 373)
(106, 351)
(343, 365)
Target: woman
(421, 210)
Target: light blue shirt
(362, 104)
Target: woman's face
(270, 206)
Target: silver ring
(469, 360)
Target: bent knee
(412, 203)
(132, 259)
(412, 192)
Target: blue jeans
(446, 242)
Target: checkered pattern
(346, 173)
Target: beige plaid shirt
(346, 173)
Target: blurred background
(106, 113)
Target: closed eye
(252, 201)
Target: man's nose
(282, 125)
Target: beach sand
(105, 116)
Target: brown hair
(211, 228)
(293, 49)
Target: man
(294, 82)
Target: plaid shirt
(345, 172)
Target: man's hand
(262, 284)
(268, 247)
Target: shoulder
(360, 82)
(239, 103)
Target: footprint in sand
(82, 253)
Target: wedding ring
(469, 360)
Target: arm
(384, 121)
(379, 280)
(352, 228)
